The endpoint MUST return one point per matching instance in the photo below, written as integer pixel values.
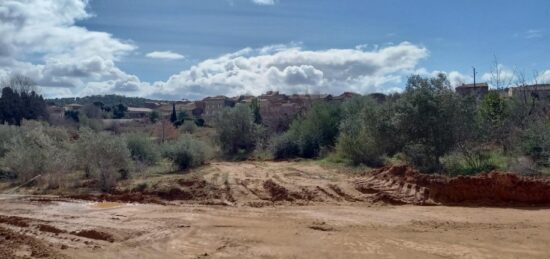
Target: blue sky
(452, 36)
(458, 34)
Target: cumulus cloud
(64, 55)
(264, 2)
(292, 69)
(164, 55)
(544, 78)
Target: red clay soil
(495, 188)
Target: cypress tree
(173, 116)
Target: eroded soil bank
(259, 184)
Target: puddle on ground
(106, 205)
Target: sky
(189, 49)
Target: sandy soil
(338, 222)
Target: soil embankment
(266, 184)
(403, 184)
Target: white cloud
(544, 77)
(292, 69)
(64, 55)
(165, 55)
(264, 2)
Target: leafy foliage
(142, 149)
(187, 152)
(237, 132)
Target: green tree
(237, 132)
(255, 107)
(119, 111)
(154, 117)
(103, 156)
(426, 117)
(494, 112)
(316, 129)
(173, 116)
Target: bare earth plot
(271, 210)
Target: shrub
(189, 127)
(103, 156)
(237, 132)
(142, 149)
(360, 138)
(38, 149)
(187, 152)
(7, 134)
(535, 142)
(476, 161)
(284, 147)
(309, 133)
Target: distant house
(214, 105)
(72, 107)
(346, 96)
(538, 91)
(56, 112)
(478, 90)
(138, 113)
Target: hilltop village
(277, 110)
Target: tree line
(428, 125)
(20, 101)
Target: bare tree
(20, 83)
(498, 78)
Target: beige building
(479, 90)
(138, 113)
(539, 92)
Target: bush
(360, 137)
(309, 133)
(476, 161)
(535, 142)
(284, 147)
(7, 134)
(142, 149)
(103, 156)
(189, 126)
(38, 149)
(187, 152)
(237, 132)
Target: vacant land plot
(267, 210)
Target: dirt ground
(268, 210)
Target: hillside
(108, 100)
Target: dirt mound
(403, 184)
(51, 229)
(15, 221)
(277, 192)
(94, 234)
(15, 245)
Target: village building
(56, 112)
(138, 113)
(73, 107)
(478, 90)
(538, 92)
